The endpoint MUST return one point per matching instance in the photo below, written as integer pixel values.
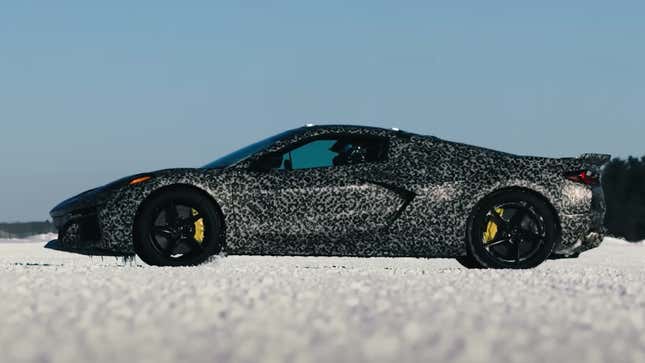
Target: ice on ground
(59, 307)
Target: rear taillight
(586, 177)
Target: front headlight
(140, 180)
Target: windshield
(243, 153)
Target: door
(315, 200)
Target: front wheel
(512, 230)
(178, 227)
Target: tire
(186, 237)
(556, 256)
(524, 233)
(469, 262)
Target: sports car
(340, 190)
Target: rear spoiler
(583, 162)
(595, 159)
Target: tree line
(25, 229)
(624, 185)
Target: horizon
(95, 92)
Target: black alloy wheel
(175, 231)
(178, 228)
(512, 230)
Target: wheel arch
(530, 191)
(182, 187)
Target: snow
(59, 307)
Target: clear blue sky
(90, 93)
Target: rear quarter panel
(450, 179)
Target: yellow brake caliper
(199, 228)
(491, 228)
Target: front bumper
(80, 232)
(77, 221)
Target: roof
(349, 126)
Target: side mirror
(267, 162)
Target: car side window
(334, 151)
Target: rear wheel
(512, 230)
(179, 227)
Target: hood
(96, 196)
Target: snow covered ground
(59, 307)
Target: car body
(405, 195)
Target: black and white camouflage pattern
(417, 202)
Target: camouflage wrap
(416, 202)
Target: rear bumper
(583, 243)
(582, 232)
